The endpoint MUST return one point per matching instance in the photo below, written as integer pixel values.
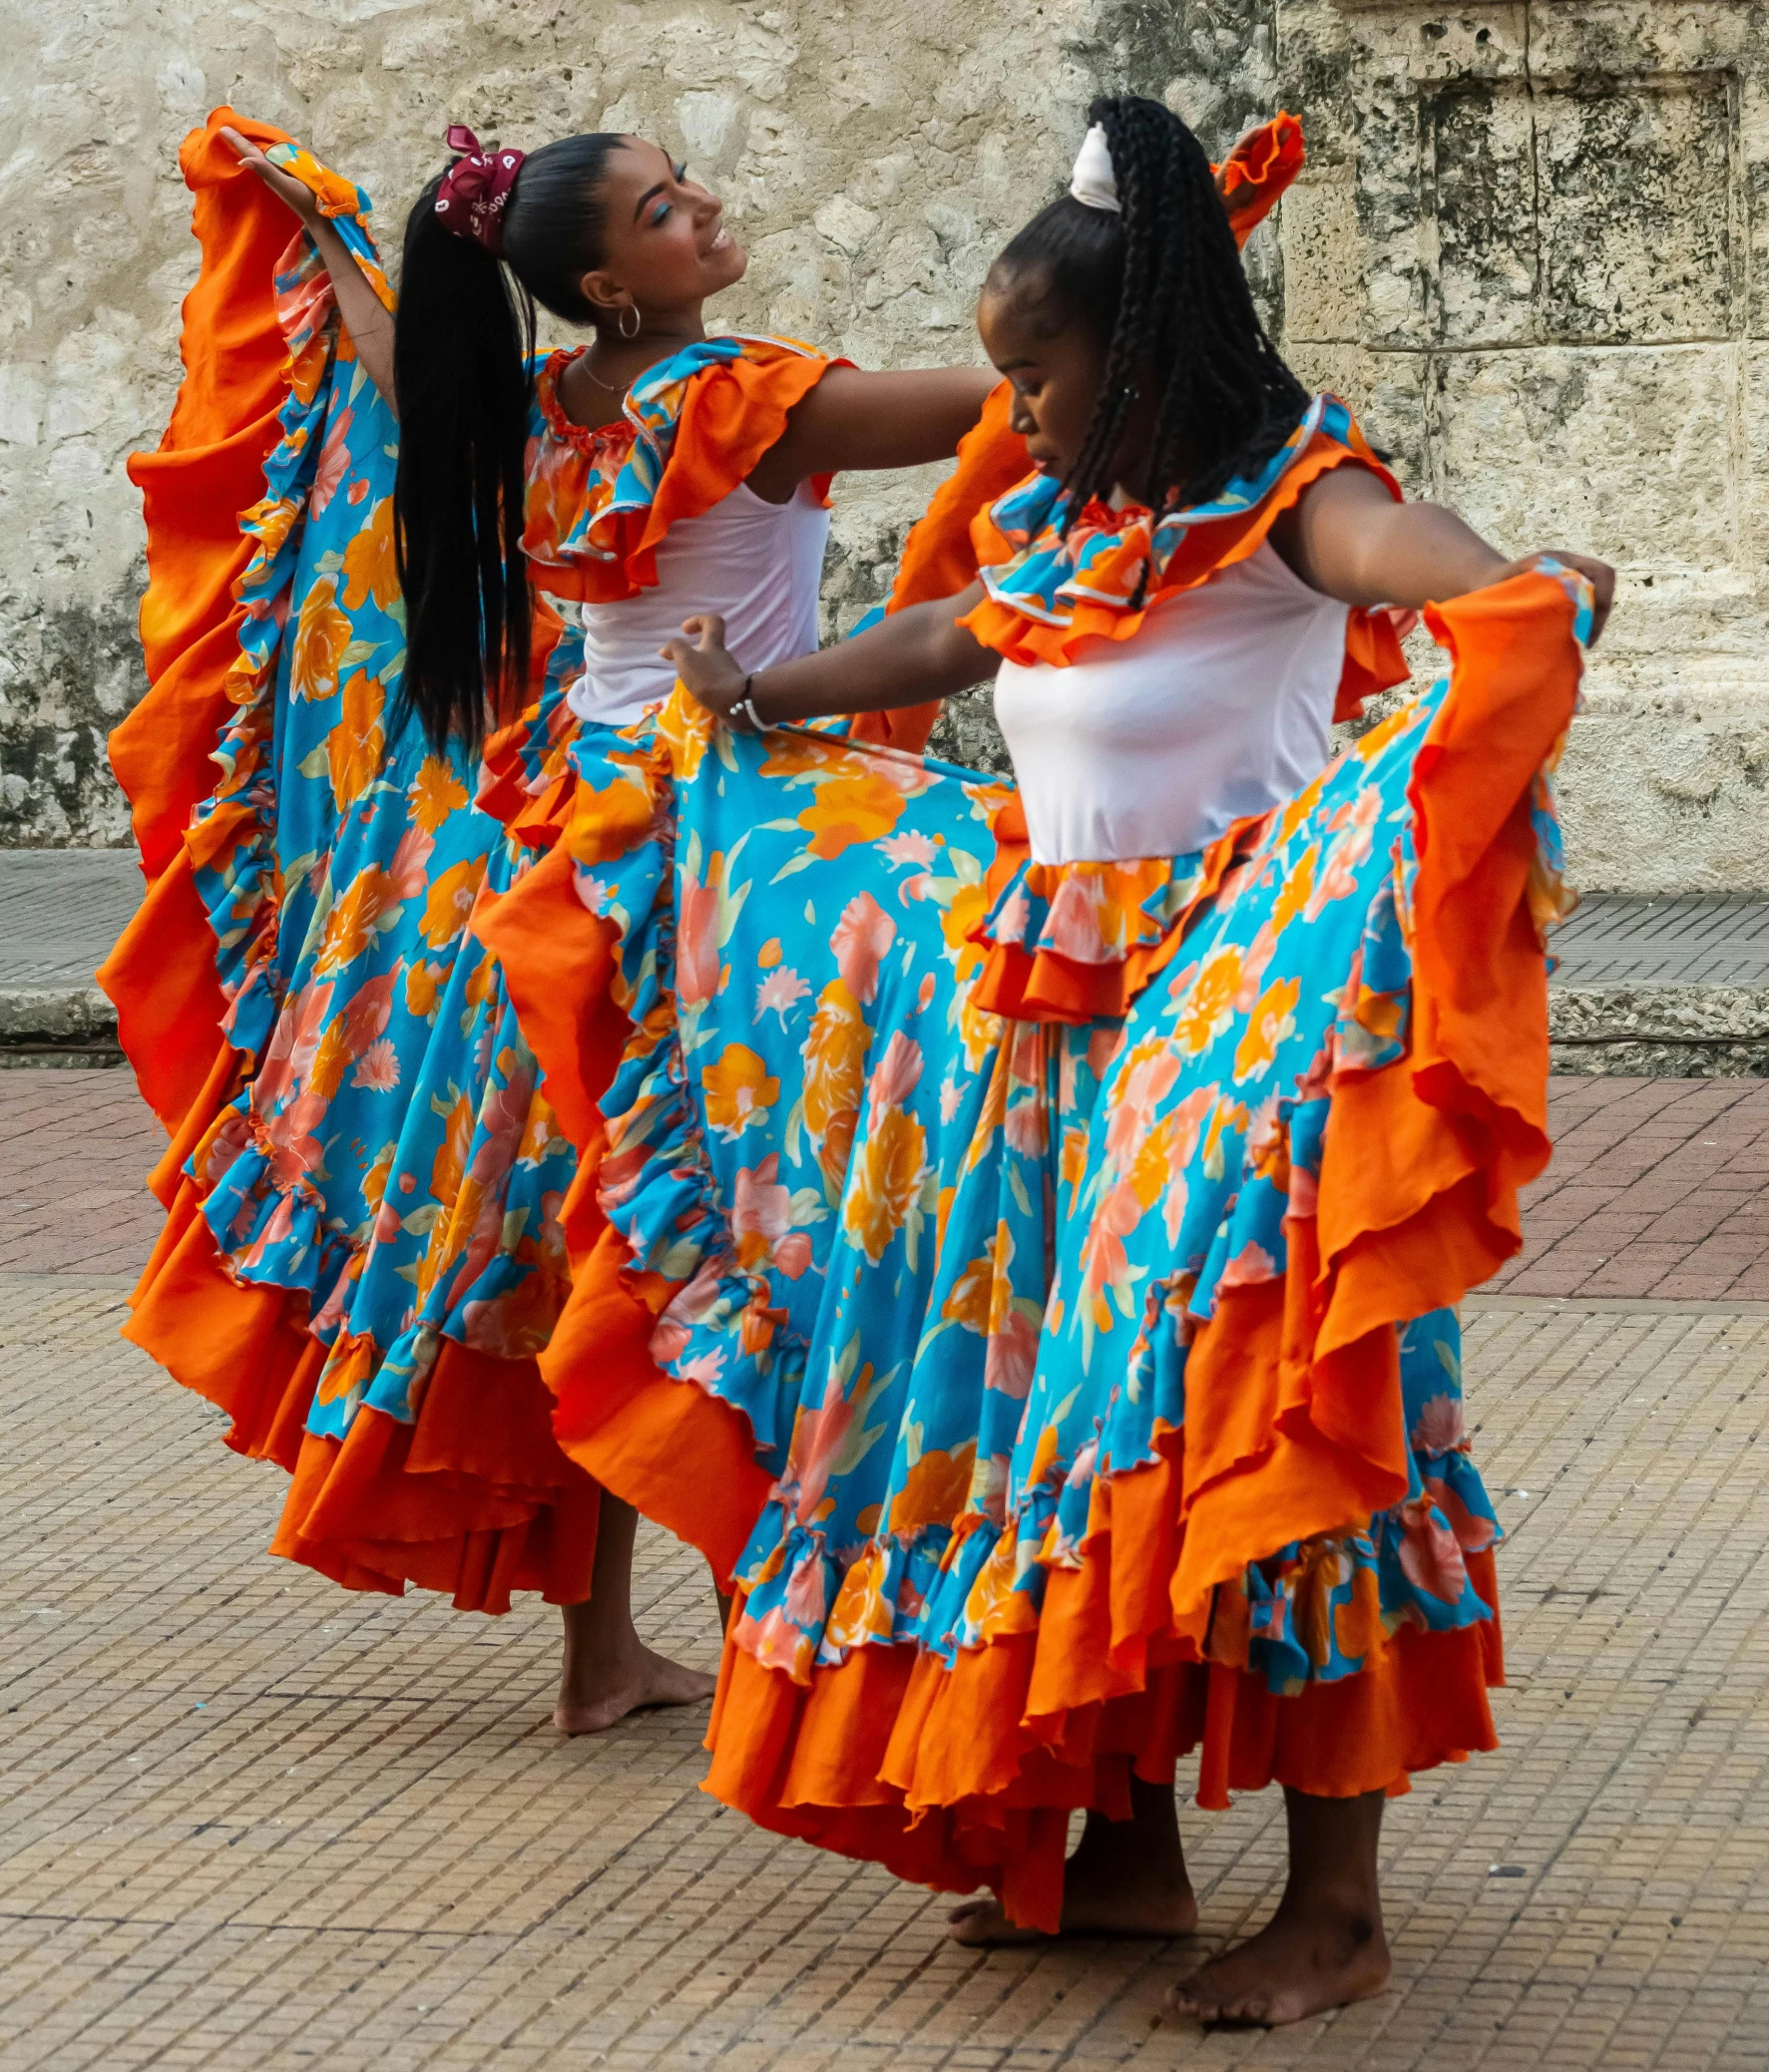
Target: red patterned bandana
(475, 190)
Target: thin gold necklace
(608, 387)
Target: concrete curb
(55, 1013)
(1661, 1032)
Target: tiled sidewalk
(1660, 1187)
(254, 1824)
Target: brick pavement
(254, 1824)
(1657, 1190)
(1654, 1191)
(76, 1147)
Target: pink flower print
(862, 936)
(696, 943)
(895, 1078)
(593, 894)
(1081, 1473)
(793, 1255)
(1338, 879)
(1305, 1195)
(386, 1230)
(1141, 1089)
(911, 847)
(1105, 1263)
(502, 1119)
(335, 463)
(817, 1439)
(410, 868)
(1010, 1357)
(377, 1068)
(1071, 928)
(1429, 1553)
(807, 1602)
(1474, 1534)
(1252, 1263)
(780, 990)
(1014, 919)
(992, 1499)
(1103, 1048)
(1027, 1129)
(951, 1099)
(1438, 1428)
(368, 1013)
(761, 1208)
(703, 1369)
(924, 998)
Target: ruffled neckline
(1045, 594)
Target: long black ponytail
(463, 346)
(1163, 285)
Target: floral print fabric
(951, 1265)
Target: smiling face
(663, 240)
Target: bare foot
(1088, 1909)
(641, 1679)
(1302, 1962)
(1127, 1877)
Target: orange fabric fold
(633, 1426)
(558, 961)
(208, 468)
(939, 559)
(473, 1501)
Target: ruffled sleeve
(601, 500)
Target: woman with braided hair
(366, 1244)
(1126, 1420)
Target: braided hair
(1161, 285)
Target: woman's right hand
(296, 193)
(706, 665)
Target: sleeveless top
(759, 565)
(1221, 706)
(631, 527)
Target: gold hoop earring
(629, 310)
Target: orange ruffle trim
(896, 1760)
(1210, 546)
(475, 1501)
(731, 416)
(208, 468)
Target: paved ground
(254, 1824)
(1656, 1189)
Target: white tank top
(1221, 705)
(759, 565)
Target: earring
(629, 309)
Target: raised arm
(1350, 540)
(906, 660)
(853, 419)
(365, 317)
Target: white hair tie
(1093, 183)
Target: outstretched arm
(1350, 540)
(906, 660)
(365, 317)
(853, 419)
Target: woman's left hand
(1598, 575)
(706, 665)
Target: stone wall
(1522, 248)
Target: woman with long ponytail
(1126, 1420)
(373, 1197)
